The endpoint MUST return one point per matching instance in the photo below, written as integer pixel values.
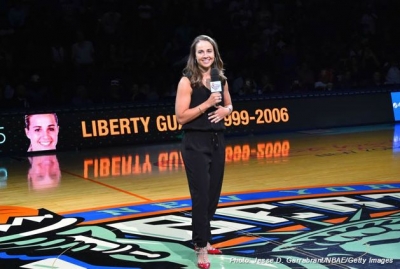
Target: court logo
(347, 226)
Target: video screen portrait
(42, 131)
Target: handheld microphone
(215, 83)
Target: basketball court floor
(314, 199)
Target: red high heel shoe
(202, 259)
(213, 251)
(203, 265)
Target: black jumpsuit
(203, 153)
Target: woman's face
(204, 54)
(43, 132)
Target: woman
(42, 131)
(201, 113)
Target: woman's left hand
(219, 114)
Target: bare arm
(183, 113)
(227, 96)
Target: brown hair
(27, 119)
(192, 70)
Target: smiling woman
(201, 110)
(42, 131)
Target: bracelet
(230, 107)
(201, 111)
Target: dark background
(134, 50)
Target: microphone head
(215, 83)
(214, 74)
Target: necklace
(206, 82)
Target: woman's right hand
(214, 99)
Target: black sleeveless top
(202, 123)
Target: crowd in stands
(82, 52)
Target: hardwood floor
(71, 181)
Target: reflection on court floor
(289, 201)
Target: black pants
(203, 154)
